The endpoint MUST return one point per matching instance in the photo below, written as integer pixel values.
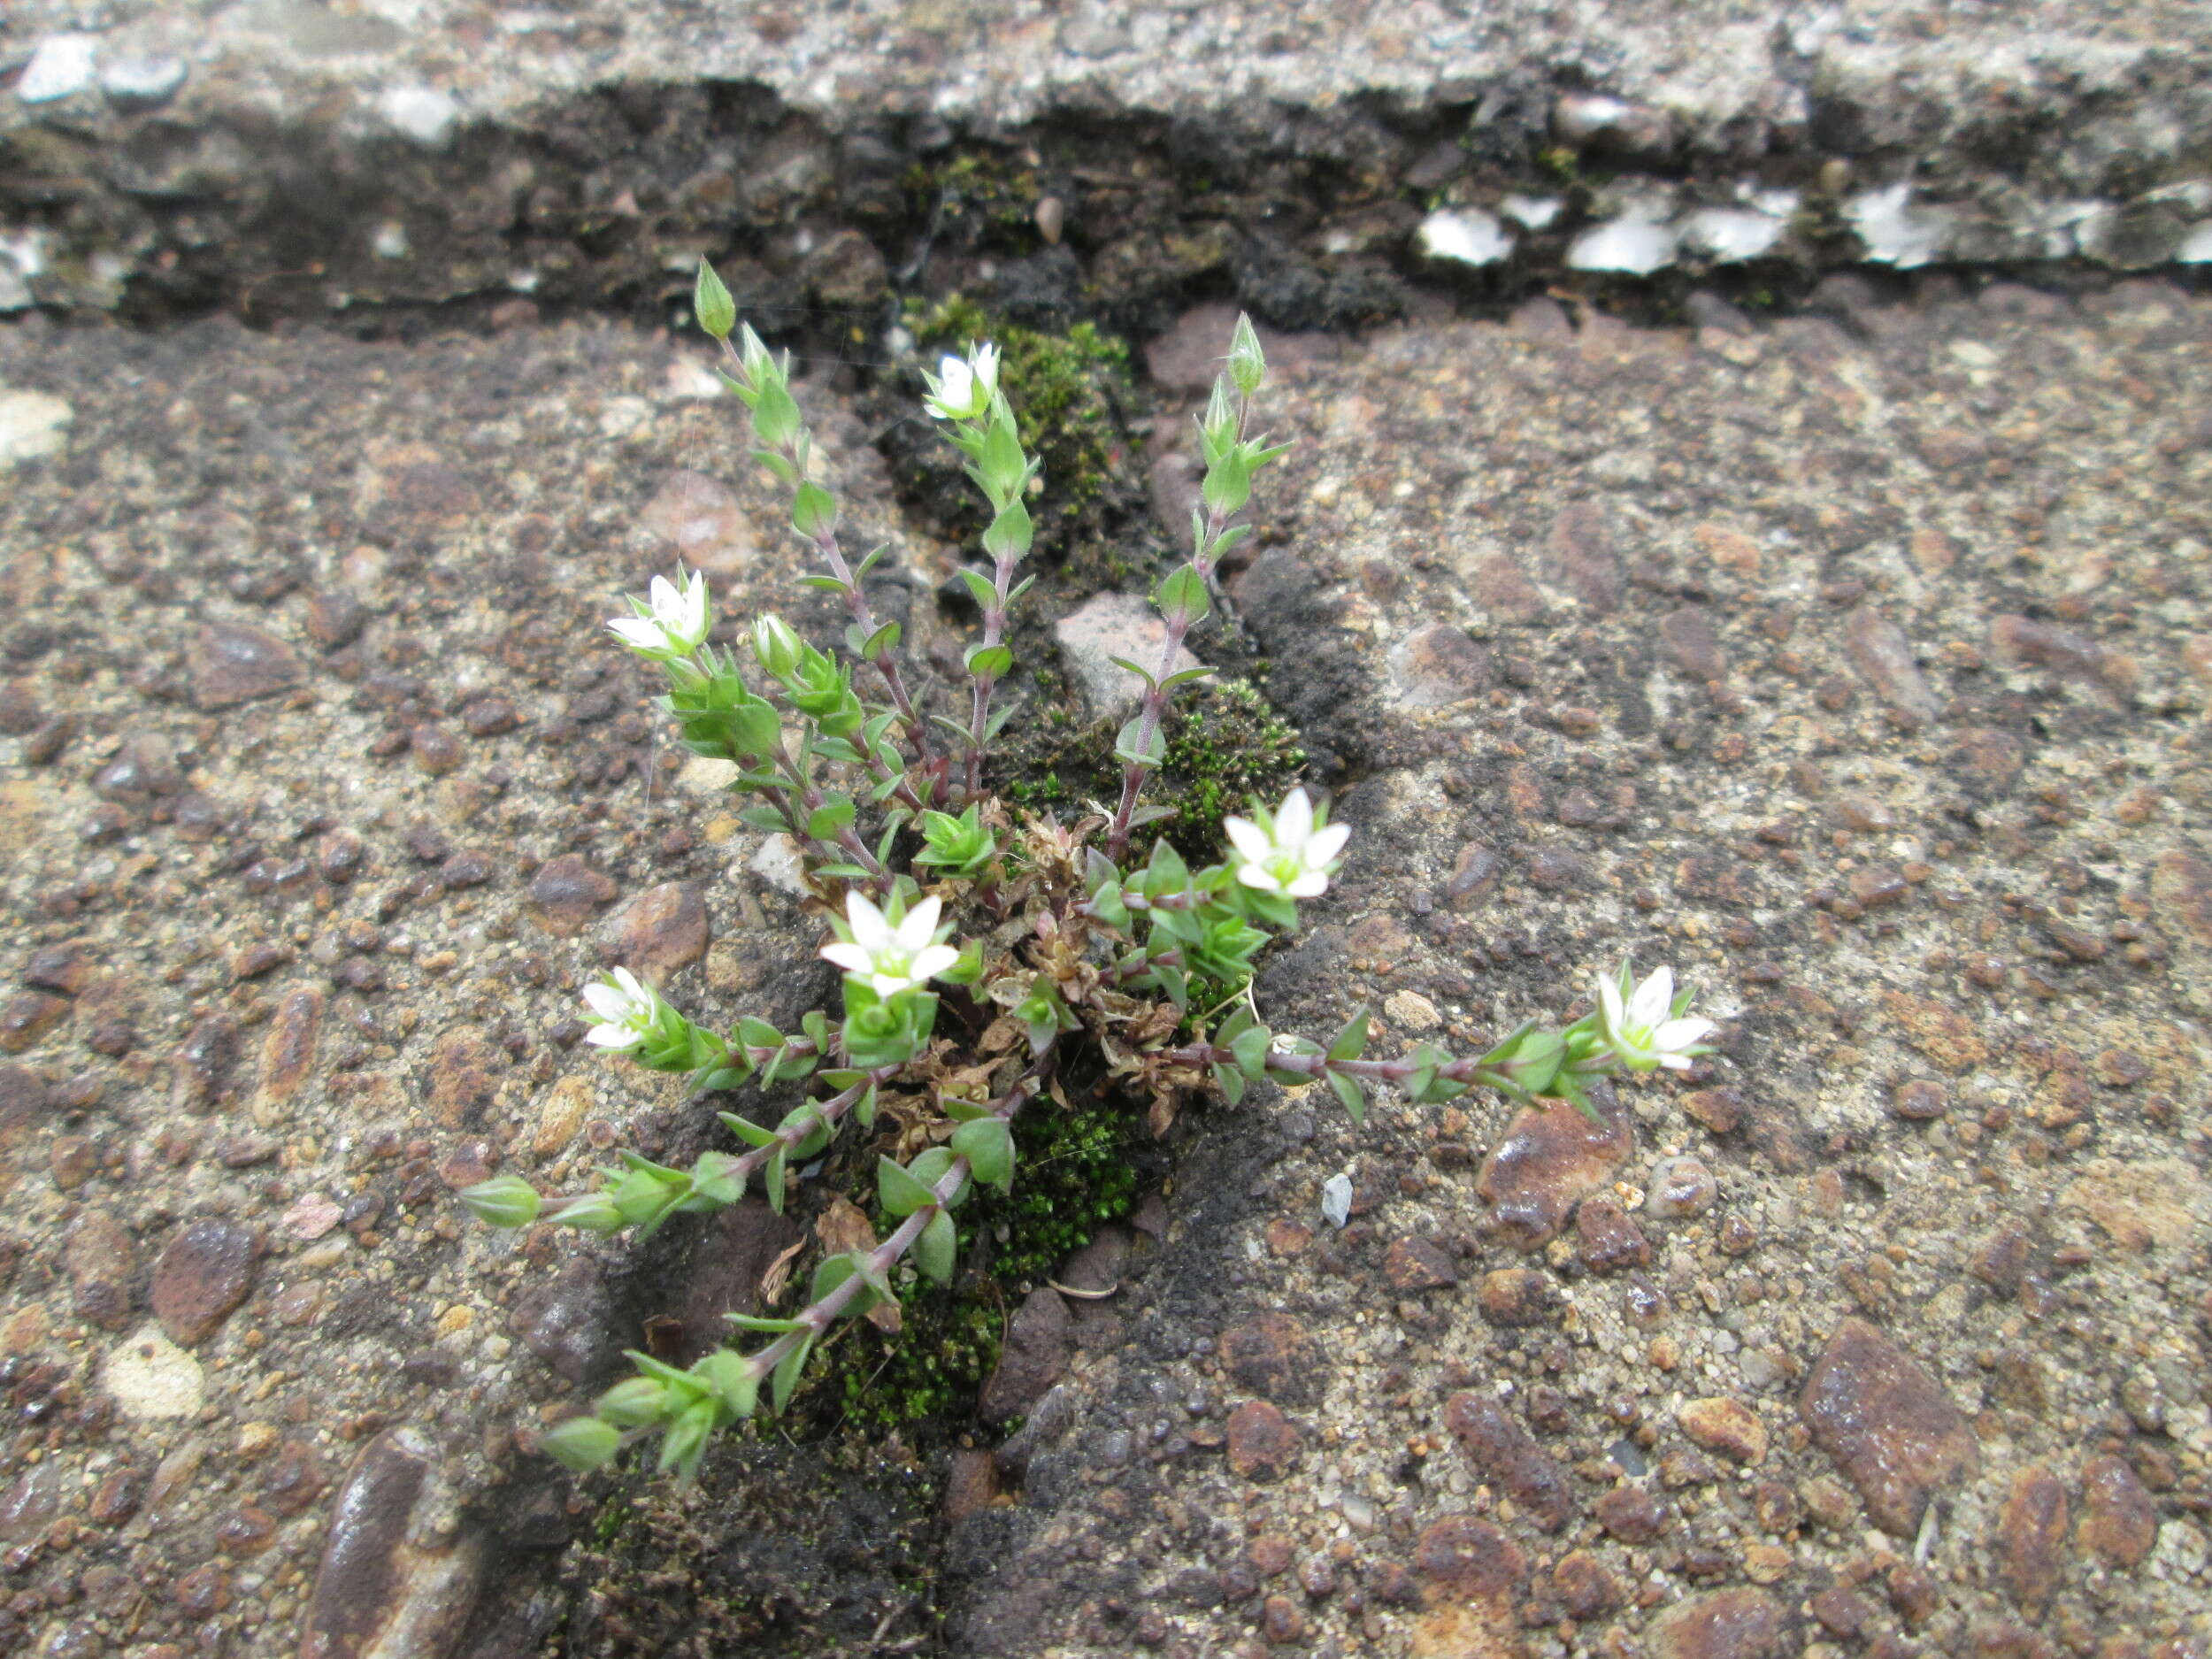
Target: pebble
(1517, 1296)
(567, 893)
(971, 1484)
(1263, 1442)
(1272, 1356)
(1038, 1343)
(1104, 626)
(203, 1274)
(1725, 1625)
(229, 664)
(1631, 1513)
(1413, 1265)
(287, 1052)
(2119, 1522)
(1891, 1428)
(700, 522)
(1607, 1238)
(152, 1379)
(1437, 666)
(1580, 556)
(1499, 1450)
(102, 1263)
(1469, 1560)
(2031, 1538)
(1680, 1187)
(565, 1320)
(1877, 649)
(1726, 1426)
(378, 1590)
(60, 66)
(1687, 634)
(1547, 1162)
(661, 930)
(1585, 1588)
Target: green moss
(978, 198)
(1073, 1172)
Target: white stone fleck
(1581, 115)
(1639, 242)
(2196, 246)
(1727, 234)
(22, 256)
(1531, 213)
(143, 80)
(1466, 235)
(61, 67)
(1336, 1200)
(426, 114)
(151, 1377)
(32, 424)
(1895, 232)
(777, 863)
(623, 416)
(390, 240)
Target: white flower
(1284, 853)
(891, 959)
(964, 387)
(627, 1010)
(1642, 1027)
(674, 624)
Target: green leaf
(1230, 1082)
(764, 817)
(757, 1322)
(963, 1111)
(1351, 1041)
(988, 1146)
(1349, 1092)
(875, 556)
(1183, 594)
(981, 588)
(786, 1377)
(864, 1108)
(1250, 1049)
(1184, 678)
(884, 638)
(899, 1192)
(771, 1181)
(757, 1033)
(711, 304)
(829, 819)
(988, 662)
(932, 1166)
(1144, 674)
(934, 1250)
(1154, 753)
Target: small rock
(1409, 1010)
(1272, 1356)
(1263, 1442)
(1107, 626)
(1726, 1426)
(1944, 1034)
(1469, 1560)
(465, 1066)
(379, 1590)
(1282, 1621)
(199, 1072)
(566, 1321)
(1727, 1624)
(62, 969)
(970, 1483)
(1548, 1161)
(1893, 1431)
(2015, 639)
(203, 1273)
(1518, 1296)
(102, 1263)
(1474, 871)
(1585, 1589)
(2031, 1538)
(1582, 559)
(1501, 1451)
(232, 665)
(335, 617)
(736, 1249)
(2181, 887)
(1609, 1241)
(1632, 1514)
(1437, 666)
(567, 893)
(1039, 1339)
(1687, 634)
(1919, 1099)
(2119, 1523)
(1412, 1265)
(152, 1379)
(702, 523)
(1877, 649)
(28, 1017)
(662, 929)
(32, 424)
(288, 1053)
(436, 750)
(1680, 1187)
(61, 66)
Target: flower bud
(775, 645)
(1248, 364)
(594, 1212)
(636, 1404)
(507, 1201)
(582, 1443)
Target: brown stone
(1633, 1514)
(203, 1273)
(1412, 1265)
(1584, 1587)
(662, 929)
(232, 665)
(464, 1071)
(700, 522)
(1727, 1624)
(1687, 634)
(1263, 1442)
(1518, 1296)
(1988, 759)
(1891, 1428)
(1437, 666)
(1503, 1453)
(2031, 1538)
(1283, 1621)
(62, 969)
(1944, 1034)
(103, 1265)
(1580, 556)
(2119, 1523)
(736, 1249)
(1608, 1240)
(28, 1017)
(1877, 649)
(2181, 887)
(1039, 1337)
(378, 1590)
(23, 1103)
(1273, 1356)
(1469, 1560)
(970, 1483)
(1726, 1426)
(288, 1053)
(1547, 1162)
(199, 1071)
(1719, 1110)
(567, 893)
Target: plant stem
(994, 631)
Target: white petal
(1294, 821)
(1259, 876)
(1609, 1002)
(888, 986)
(641, 631)
(852, 958)
(915, 932)
(1675, 1062)
(1677, 1034)
(611, 1036)
(632, 985)
(1654, 998)
(1309, 885)
(1326, 843)
(606, 1002)
(870, 929)
(933, 961)
(1249, 839)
